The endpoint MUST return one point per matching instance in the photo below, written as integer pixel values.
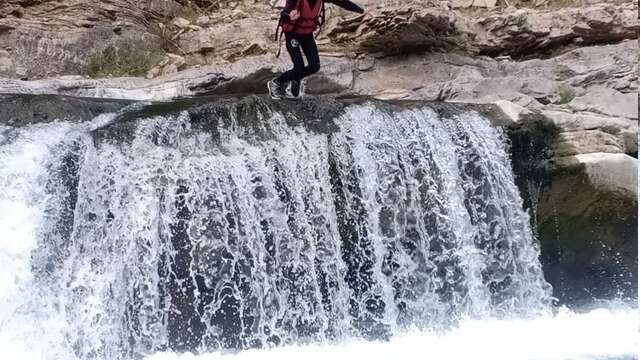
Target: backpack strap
(321, 19)
(279, 32)
(279, 40)
(278, 28)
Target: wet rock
(169, 69)
(54, 37)
(512, 111)
(610, 172)
(153, 72)
(403, 29)
(529, 31)
(587, 226)
(181, 23)
(194, 27)
(526, 101)
(336, 77)
(586, 132)
(203, 20)
(569, 121)
(606, 101)
(228, 41)
(532, 83)
(461, 3)
(393, 94)
(366, 63)
(586, 142)
(630, 140)
(584, 208)
(61, 28)
(485, 3)
(6, 63)
(445, 77)
(171, 64)
(394, 31)
(239, 14)
(20, 110)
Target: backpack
(309, 21)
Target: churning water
(599, 335)
(125, 239)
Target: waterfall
(238, 227)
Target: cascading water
(209, 230)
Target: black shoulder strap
(278, 27)
(321, 18)
(279, 40)
(322, 13)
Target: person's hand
(294, 15)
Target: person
(299, 20)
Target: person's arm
(347, 5)
(290, 5)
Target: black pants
(310, 49)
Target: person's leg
(310, 49)
(277, 86)
(293, 48)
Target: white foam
(23, 333)
(600, 334)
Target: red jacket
(310, 14)
(309, 19)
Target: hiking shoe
(294, 89)
(276, 90)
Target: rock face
(49, 37)
(607, 101)
(397, 31)
(524, 32)
(616, 173)
(516, 33)
(469, 3)
(20, 110)
(171, 64)
(248, 75)
(228, 42)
